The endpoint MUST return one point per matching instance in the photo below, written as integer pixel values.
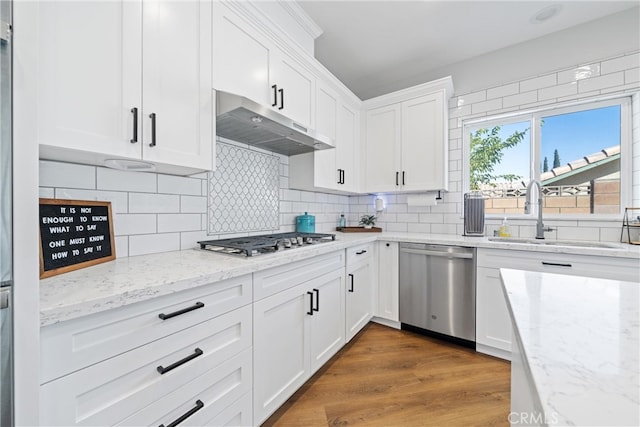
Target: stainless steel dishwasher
(438, 291)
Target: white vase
(368, 226)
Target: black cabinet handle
(339, 176)
(351, 276)
(152, 116)
(402, 177)
(361, 252)
(197, 352)
(179, 312)
(199, 405)
(397, 173)
(310, 312)
(134, 111)
(556, 264)
(281, 92)
(275, 95)
(317, 292)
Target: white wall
(614, 75)
(607, 37)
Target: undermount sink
(575, 243)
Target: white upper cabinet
(241, 57)
(94, 101)
(247, 63)
(347, 148)
(324, 169)
(176, 83)
(407, 139)
(292, 88)
(382, 149)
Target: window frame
(534, 116)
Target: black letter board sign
(74, 234)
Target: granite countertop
(581, 342)
(134, 279)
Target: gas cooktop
(264, 244)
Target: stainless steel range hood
(243, 120)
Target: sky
(574, 135)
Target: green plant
(368, 220)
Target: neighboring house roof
(579, 171)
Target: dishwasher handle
(443, 254)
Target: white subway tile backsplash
(621, 63)
(193, 204)
(602, 82)
(578, 233)
(398, 227)
(110, 179)
(179, 185)
(519, 99)
(189, 239)
(130, 224)
(566, 89)
(121, 246)
(69, 175)
(153, 243)
(153, 203)
(632, 76)
(482, 107)
(538, 82)
(118, 199)
(419, 228)
(502, 91)
(168, 223)
(472, 98)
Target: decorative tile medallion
(243, 191)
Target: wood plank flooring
(386, 377)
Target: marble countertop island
(579, 343)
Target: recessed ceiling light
(545, 14)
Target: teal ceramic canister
(306, 223)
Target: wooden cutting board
(359, 229)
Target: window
(576, 152)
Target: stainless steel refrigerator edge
(6, 223)
(438, 290)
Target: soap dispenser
(504, 229)
(342, 222)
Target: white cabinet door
(424, 146)
(382, 149)
(493, 322)
(281, 348)
(88, 75)
(293, 88)
(327, 321)
(359, 298)
(347, 147)
(326, 173)
(177, 83)
(388, 281)
(241, 57)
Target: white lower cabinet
(493, 322)
(195, 370)
(359, 293)
(295, 332)
(388, 306)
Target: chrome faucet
(540, 228)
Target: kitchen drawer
(561, 263)
(240, 413)
(112, 390)
(359, 253)
(274, 280)
(227, 386)
(69, 346)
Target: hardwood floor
(386, 377)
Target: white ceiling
(369, 45)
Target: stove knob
(299, 239)
(308, 240)
(287, 243)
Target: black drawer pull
(351, 290)
(317, 292)
(403, 178)
(397, 173)
(275, 95)
(134, 111)
(281, 92)
(310, 312)
(197, 352)
(556, 264)
(183, 311)
(361, 252)
(199, 405)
